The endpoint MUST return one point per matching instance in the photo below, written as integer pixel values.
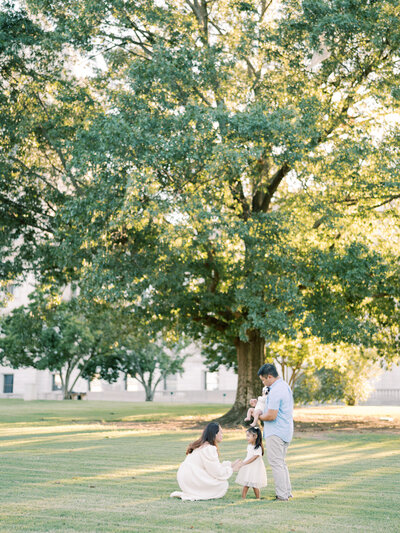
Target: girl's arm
(236, 465)
(250, 460)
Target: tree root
(234, 418)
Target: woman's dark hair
(257, 432)
(209, 435)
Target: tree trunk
(250, 356)
(149, 393)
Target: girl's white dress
(201, 476)
(253, 474)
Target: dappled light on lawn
(114, 475)
(106, 477)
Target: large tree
(230, 171)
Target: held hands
(236, 465)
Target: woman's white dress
(253, 474)
(201, 476)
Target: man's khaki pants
(276, 450)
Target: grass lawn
(107, 466)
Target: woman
(201, 476)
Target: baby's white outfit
(260, 405)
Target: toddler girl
(252, 472)
(257, 407)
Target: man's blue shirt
(280, 398)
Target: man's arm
(270, 415)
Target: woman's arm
(212, 465)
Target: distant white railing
(384, 397)
(202, 396)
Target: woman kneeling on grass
(201, 476)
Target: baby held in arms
(257, 407)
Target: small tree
(149, 362)
(344, 374)
(301, 356)
(357, 376)
(291, 356)
(320, 372)
(321, 385)
(56, 335)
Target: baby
(257, 407)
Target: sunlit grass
(65, 412)
(91, 477)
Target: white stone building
(196, 384)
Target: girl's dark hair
(257, 431)
(209, 435)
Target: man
(278, 428)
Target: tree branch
(125, 39)
(236, 189)
(58, 151)
(336, 121)
(264, 7)
(210, 263)
(27, 218)
(273, 186)
(211, 321)
(387, 201)
(201, 13)
(34, 173)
